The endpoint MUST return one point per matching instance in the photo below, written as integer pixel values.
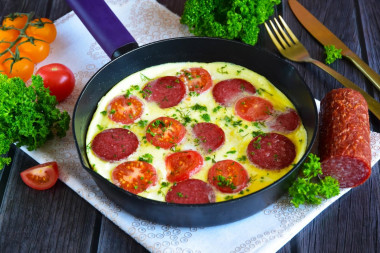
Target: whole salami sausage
(344, 145)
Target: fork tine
(284, 35)
(294, 38)
(284, 44)
(275, 41)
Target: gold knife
(326, 37)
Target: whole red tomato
(59, 79)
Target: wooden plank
(50, 220)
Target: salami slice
(114, 144)
(344, 145)
(253, 108)
(271, 151)
(191, 191)
(167, 91)
(209, 136)
(287, 121)
(228, 91)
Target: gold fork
(292, 49)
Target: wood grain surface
(58, 220)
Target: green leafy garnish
(28, 115)
(308, 188)
(229, 19)
(332, 53)
(146, 158)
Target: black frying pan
(128, 58)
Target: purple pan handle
(103, 24)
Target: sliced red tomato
(182, 165)
(42, 176)
(165, 132)
(228, 176)
(196, 79)
(253, 108)
(125, 110)
(134, 176)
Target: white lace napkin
(147, 21)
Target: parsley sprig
(308, 188)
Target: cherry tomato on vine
(3, 47)
(17, 20)
(42, 176)
(8, 34)
(2, 69)
(35, 50)
(42, 28)
(59, 79)
(21, 67)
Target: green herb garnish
(308, 188)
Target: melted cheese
(238, 135)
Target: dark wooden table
(58, 220)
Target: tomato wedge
(125, 110)
(228, 176)
(182, 165)
(134, 176)
(165, 132)
(196, 79)
(253, 108)
(42, 176)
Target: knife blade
(326, 38)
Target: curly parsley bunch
(229, 19)
(308, 188)
(28, 115)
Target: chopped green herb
(198, 107)
(142, 123)
(144, 77)
(216, 109)
(104, 113)
(242, 158)
(222, 70)
(206, 117)
(146, 158)
(231, 152)
(193, 94)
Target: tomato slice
(253, 108)
(182, 165)
(165, 132)
(196, 79)
(42, 176)
(228, 176)
(125, 110)
(134, 176)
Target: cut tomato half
(42, 176)
(134, 176)
(182, 165)
(196, 79)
